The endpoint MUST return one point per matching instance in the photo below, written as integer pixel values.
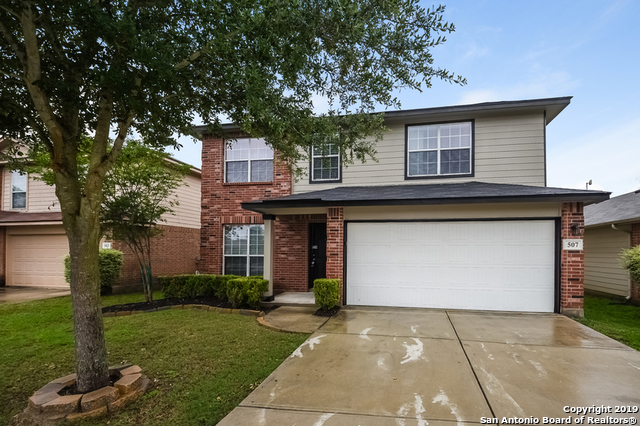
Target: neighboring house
(455, 214)
(610, 227)
(33, 243)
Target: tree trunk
(81, 219)
(90, 348)
(147, 281)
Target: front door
(317, 252)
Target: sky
(513, 50)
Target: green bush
(327, 293)
(221, 285)
(630, 260)
(246, 291)
(110, 264)
(188, 286)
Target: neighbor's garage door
(36, 260)
(487, 265)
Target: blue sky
(510, 50)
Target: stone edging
(265, 324)
(46, 405)
(246, 312)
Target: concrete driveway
(427, 367)
(27, 294)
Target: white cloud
(475, 51)
(608, 156)
(541, 85)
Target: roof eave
(264, 206)
(553, 107)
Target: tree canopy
(113, 67)
(139, 191)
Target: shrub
(326, 292)
(205, 285)
(188, 286)
(110, 261)
(630, 260)
(246, 291)
(221, 285)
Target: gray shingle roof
(449, 193)
(552, 107)
(622, 208)
(20, 217)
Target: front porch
(293, 298)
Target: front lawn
(202, 364)
(614, 319)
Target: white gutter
(613, 226)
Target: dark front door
(317, 252)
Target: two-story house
(33, 242)
(454, 214)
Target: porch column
(335, 244)
(269, 231)
(572, 262)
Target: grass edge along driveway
(611, 317)
(201, 364)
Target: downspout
(613, 226)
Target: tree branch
(13, 42)
(33, 74)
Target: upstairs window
(439, 149)
(18, 190)
(248, 160)
(325, 164)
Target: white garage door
(36, 260)
(485, 265)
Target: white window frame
(439, 149)
(228, 145)
(248, 254)
(26, 189)
(314, 156)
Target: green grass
(202, 364)
(616, 320)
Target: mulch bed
(327, 313)
(144, 306)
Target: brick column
(269, 225)
(572, 262)
(335, 244)
(635, 241)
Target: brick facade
(174, 252)
(291, 251)
(635, 241)
(221, 202)
(572, 261)
(335, 245)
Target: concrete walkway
(415, 367)
(26, 294)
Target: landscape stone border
(47, 406)
(246, 312)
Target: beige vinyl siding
(453, 211)
(508, 149)
(41, 198)
(602, 272)
(187, 214)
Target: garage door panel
(492, 265)
(37, 260)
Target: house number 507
(574, 244)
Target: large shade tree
(102, 67)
